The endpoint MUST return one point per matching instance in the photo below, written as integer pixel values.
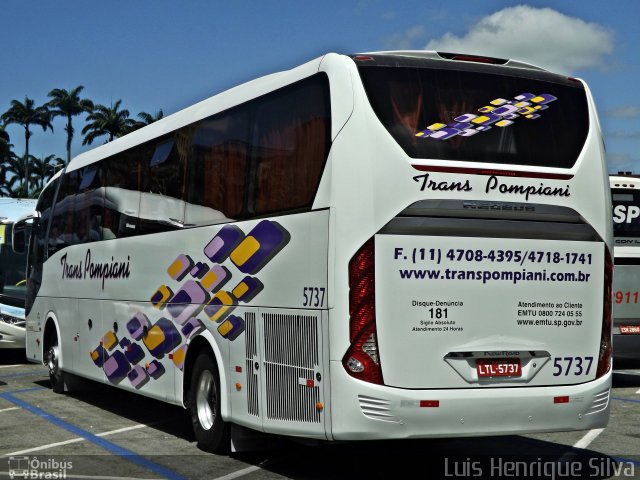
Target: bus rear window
(480, 116)
(626, 213)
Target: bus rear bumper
(363, 411)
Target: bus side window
(122, 194)
(90, 204)
(162, 192)
(218, 168)
(38, 244)
(63, 229)
(292, 138)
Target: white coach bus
(380, 246)
(625, 193)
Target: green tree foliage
(109, 121)
(26, 176)
(27, 114)
(43, 169)
(68, 104)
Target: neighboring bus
(380, 246)
(625, 194)
(12, 274)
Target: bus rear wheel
(211, 431)
(52, 361)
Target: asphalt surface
(100, 432)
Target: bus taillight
(604, 355)
(362, 360)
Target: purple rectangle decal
(138, 377)
(116, 367)
(187, 302)
(138, 325)
(261, 244)
(219, 248)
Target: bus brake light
(604, 355)
(362, 360)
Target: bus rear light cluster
(604, 355)
(362, 360)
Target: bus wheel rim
(52, 360)
(206, 398)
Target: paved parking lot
(104, 433)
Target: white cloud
(624, 135)
(405, 40)
(629, 111)
(541, 36)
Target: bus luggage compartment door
(484, 303)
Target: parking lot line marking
(120, 430)
(24, 390)
(625, 399)
(9, 366)
(73, 440)
(638, 392)
(43, 447)
(589, 437)
(107, 445)
(10, 408)
(25, 374)
(239, 473)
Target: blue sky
(167, 54)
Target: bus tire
(211, 431)
(52, 361)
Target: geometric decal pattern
(499, 113)
(201, 291)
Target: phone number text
(520, 257)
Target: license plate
(498, 367)
(630, 329)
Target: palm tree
(5, 189)
(27, 114)
(5, 155)
(12, 190)
(13, 167)
(44, 168)
(5, 145)
(68, 104)
(4, 136)
(107, 121)
(148, 119)
(145, 119)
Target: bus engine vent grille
(377, 409)
(251, 354)
(291, 340)
(290, 366)
(288, 395)
(600, 402)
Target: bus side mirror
(19, 237)
(21, 231)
